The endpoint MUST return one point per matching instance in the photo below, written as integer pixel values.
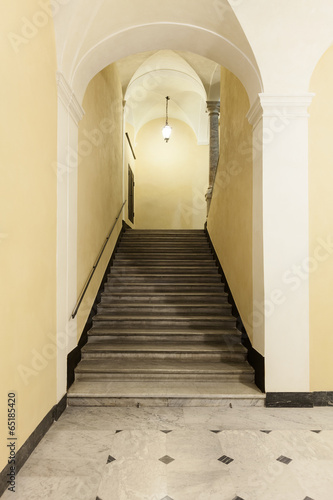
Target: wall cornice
(275, 105)
(69, 99)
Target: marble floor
(249, 453)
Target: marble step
(170, 393)
(165, 351)
(164, 231)
(173, 309)
(171, 243)
(162, 288)
(164, 263)
(159, 369)
(160, 270)
(113, 320)
(142, 257)
(164, 298)
(228, 336)
(164, 278)
(165, 237)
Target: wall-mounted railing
(92, 272)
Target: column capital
(213, 107)
(279, 105)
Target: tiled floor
(183, 454)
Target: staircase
(164, 334)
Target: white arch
(159, 36)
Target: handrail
(130, 145)
(92, 272)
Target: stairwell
(164, 334)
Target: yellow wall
(170, 178)
(28, 131)
(100, 176)
(321, 224)
(230, 215)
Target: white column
(281, 239)
(69, 114)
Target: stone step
(164, 298)
(173, 309)
(228, 336)
(162, 262)
(165, 237)
(163, 278)
(159, 369)
(164, 231)
(163, 321)
(165, 351)
(116, 269)
(131, 288)
(151, 256)
(164, 250)
(184, 393)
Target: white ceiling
(190, 80)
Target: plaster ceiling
(92, 35)
(188, 79)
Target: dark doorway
(131, 185)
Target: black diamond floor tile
(216, 432)
(266, 432)
(118, 432)
(284, 460)
(308, 498)
(110, 459)
(226, 460)
(317, 432)
(238, 498)
(166, 432)
(166, 459)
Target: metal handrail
(92, 272)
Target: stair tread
(171, 388)
(161, 347)
(145, 365)
(107, 316)
(96, 330)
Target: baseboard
(289, 400)
(33, 440)
(255, 359)
(323, 398)
(74, 357)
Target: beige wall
(28, 131)
(171, 178)
(100, 176)
(321, 224)
(230, 216)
